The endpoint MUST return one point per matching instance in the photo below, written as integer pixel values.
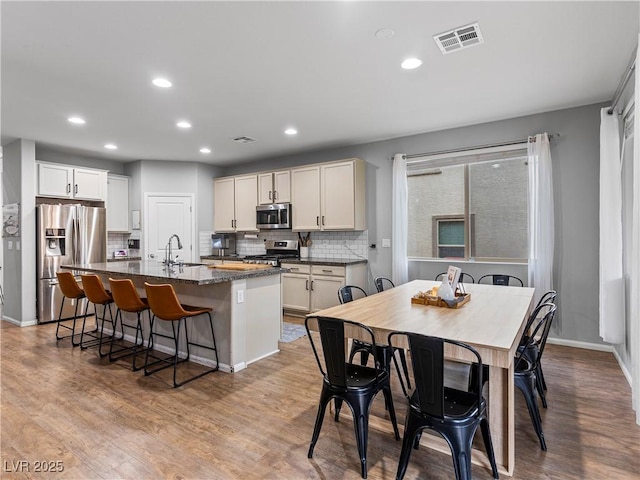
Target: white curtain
(541, 223)
(399, 222)
(612, 328)
(635, 249)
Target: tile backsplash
(120, 241)
(343, 245)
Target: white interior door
(167, 215)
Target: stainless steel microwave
(274, 215)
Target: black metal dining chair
(347, 382)
(526, 364)
(541, 384)
(345, 295)
(502, 279)
(454, 414)
(380, 283)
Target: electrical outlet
(240, 296)
(10, 244)
(386, 242)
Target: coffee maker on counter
(223, 244)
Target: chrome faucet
(168, 258)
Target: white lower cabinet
(309, 288)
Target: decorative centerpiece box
(430, 297)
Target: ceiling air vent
(459, 38)
(244, 139)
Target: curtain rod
(466, 149)
(623, 82)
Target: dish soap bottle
(445, 291)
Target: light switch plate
(386, 242)
(240, 296)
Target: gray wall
(576, 170)
(20, 265)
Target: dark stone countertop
(222, 257)
(123, 259)
(154, 271)
(334, 262)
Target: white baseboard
(594, 346)
(29, 323)
(626, 372)
(585, 345)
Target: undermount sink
(187, 264)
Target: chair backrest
(345, 294)
(540, 311)
(538, 333)
(94, 289)
(164, 302)
(69, 286)
(333, 340)
(125, 295)
(502, 279)
(427, 362)
(380, 282)
(549, 297)
(464, 277)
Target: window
(469, 207)
(448, 241)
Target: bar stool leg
(96, 340)
(113, 329)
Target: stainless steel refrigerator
(66, 235)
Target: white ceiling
(255, 68)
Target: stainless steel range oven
(277, 251)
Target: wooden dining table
(492, 322)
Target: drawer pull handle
(327, 271)
(307, 285)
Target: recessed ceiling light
(76, 120)
(205, 150)
(411, 63)
(183, 124)
(162, 82)
(291, 131)
(111, 146)
(385, 33)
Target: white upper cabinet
(117, 203)
(224, 205)
(54, 180)
(63, 181)
(329, 196)
(274, 187)
(235, 200)
(305, 198)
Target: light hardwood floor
(103, 421)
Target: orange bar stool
(127, 300)
(165, 305)
(71, 290)
(96, 294)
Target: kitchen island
(246, 304)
